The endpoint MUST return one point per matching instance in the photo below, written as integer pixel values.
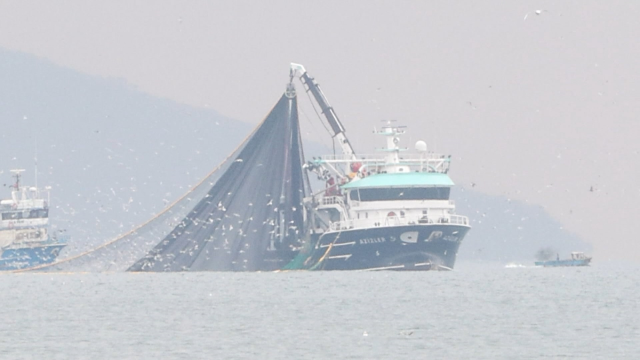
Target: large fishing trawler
(388, 211)
(25, 240)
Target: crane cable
(318, 115)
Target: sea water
(475, 312)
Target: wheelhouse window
(39, 213)
(32, 214)
(391, 194)
(11, 215)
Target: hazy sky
(541, 109)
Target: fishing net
(246, 215)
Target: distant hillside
(112, 154)
(115, 156)
(505, 230)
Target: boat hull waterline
(408, 247)
(26, 257)
(562, 263)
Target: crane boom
(327, 110)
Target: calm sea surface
(475, 312)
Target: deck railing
(385, 221)
(365, 158)
(330, 200)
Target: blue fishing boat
(577, 259)
(25, 240)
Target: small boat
(577, 259)
(24, 229)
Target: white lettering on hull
(372, 240)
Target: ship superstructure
(390, 210)
(25, 239)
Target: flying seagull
(537, 12)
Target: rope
(322, 140)
(316, 111)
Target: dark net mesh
(247, 215)
(252, 218)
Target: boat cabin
(578, 256)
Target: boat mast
(36, 165)
(16, 187)
(16, 175)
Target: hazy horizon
(535, 107)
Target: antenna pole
(36, 160)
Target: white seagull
(537, 12)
